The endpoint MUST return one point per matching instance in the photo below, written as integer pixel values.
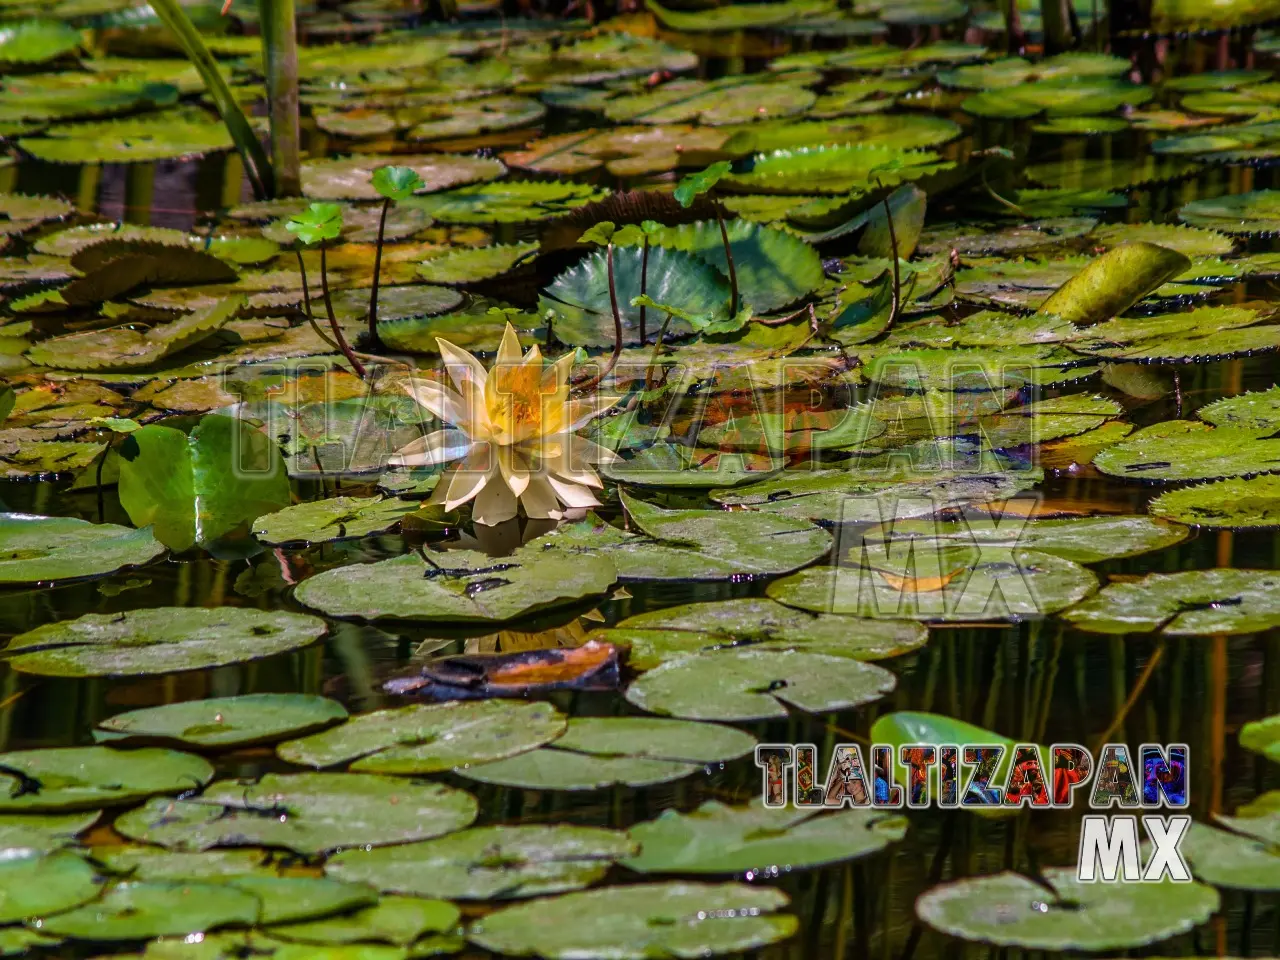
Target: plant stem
(356, 365)
(306, 304)
(280, 56)
(644, 276)
(653, 358)
(897, 280)
(728, 255)
(377, 270)
(617, 327)
(257, 166)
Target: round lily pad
(37, 41)
(457, 585)
(472, 264)
(1232, 504)
(350, 178)
(717, 838)
(306, 812)
(82, 778)
(37, 549)
(760, 623)
(489, 863)
(33, 884)
(549, 768)
(142, 139)
(398, 920)
(1230, 861)
(1190, 604)
(1008, 909)
(429, 738)
(139, 911)
(757, 684)
(639, 922)
(44, 831)
(1189, 450)
(226, 722)
(159, 640)
(338, 518)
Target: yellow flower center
(516, 403)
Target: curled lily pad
(35, 549)
(1011, 910)
(159, 640)
(1233, 504)
(757, 684)
(661, 635)
(225, 721)
(1189, 450)
(489, 863)
(459, 585)
(306, 812)
(430, 738)
(338, 518)
(1114, 282)
(639, 921)
(1190, 604)
(717, 838)
(138, 911)
(34, 884)
(82, 778)
(398, 920)
(350, 178)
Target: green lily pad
(834, 169)
(469, 265)
(713, 103)
(940, 583)
(430, 738)
(489, 863)
(1228, 860)
(290, 899)
(1262, 736)
(398, 920)
(135, 861)
(548, 768)
(755, 16)
(1231, 504)
(1251, 411)
(658, 636)
(37, 549)
(159, 640)
(350, 178)
(324, 521)
(1110, 175)
(306, 812)
(639, 922)
(44, 831)
(1192, 241)
(1010, 910)
(975, 239)
(839, 430)
(1114, 282)
(1254, 212)
(138, 911)
(1189, 450)
(37, 41)
(225, 722)
(473, 328)
(168, 135)
(677, 466)
(1190, 604)
(757, 684)
(1201, 334)
(717, 838)
(507, 201)
(33, 884)
(84, 778)
(458, 585)
(474, 117)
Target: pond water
(1105, 415)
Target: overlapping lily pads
(1189, 604)
(85, 778)
(224, 722)
(340, 518)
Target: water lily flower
(514, 429)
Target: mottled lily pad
(159, 640)
(1229, 860)
(307, 812)
(338, 518)
(1252, 411)
(717, 838)
(225, 722)
(757, 684)
(469, 265)
(489, 863)
(349, 178)
(1190, 604)
(429, 738)
(84, 778)
(639, 922)
(1189, 450)
(1232, 504)
(35, 549)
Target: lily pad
(1190, 604)
(469, 265)
(430, 738)
(309, 813)
(1114, 282)
(143, 139)
(350, 178)
(138, 911)
(324, 521)
(489, 863)
(225, 722)
(1232, 504)
(37, 41)
(675, 465)
(458, 585)
(84, 778)
(36, 549)
(1230, 861)
(757, 684)
(1252, 411)
(33, 884)
(717, 838)
(159, 640)
(44, 831)
(397, 920)
(507, 201)
(639, 922)
(1009, 909)
(834, 169)
(1189, 450)
(1253, 212)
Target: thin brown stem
(897, 280)
(1147, 672)
(356, 365)
(728, 255)
(306, 304)
(644, 276)
(617, 328)
(377, 271)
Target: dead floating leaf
(919, 584)
(593, 666)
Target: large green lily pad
(457, 585)
(1231, 861)
(49, 549)
(717, 838)
(85, 778)
(1008, 909)
(306, 812)
(472, 264)
(33, 884)
(1254, 212)
(138, 911)
(639, 922)
(159, 640)
(225, 722)
(338, 518)
(489, 863)
(429, 738)
(1189, 450)
(1189, 604)
(1232, 504)
(757, 684)
(350, 178)
(397, 920)
(1114, 282)
(1252, 411)
(37, 41)
(44, 831)
(673, 465)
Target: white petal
(572, 495)
(461, 365)
(433, 450)
(471, 476)
(539, 499)
(437, 398)
(515, 470)
(495, 504)
(509, 348)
